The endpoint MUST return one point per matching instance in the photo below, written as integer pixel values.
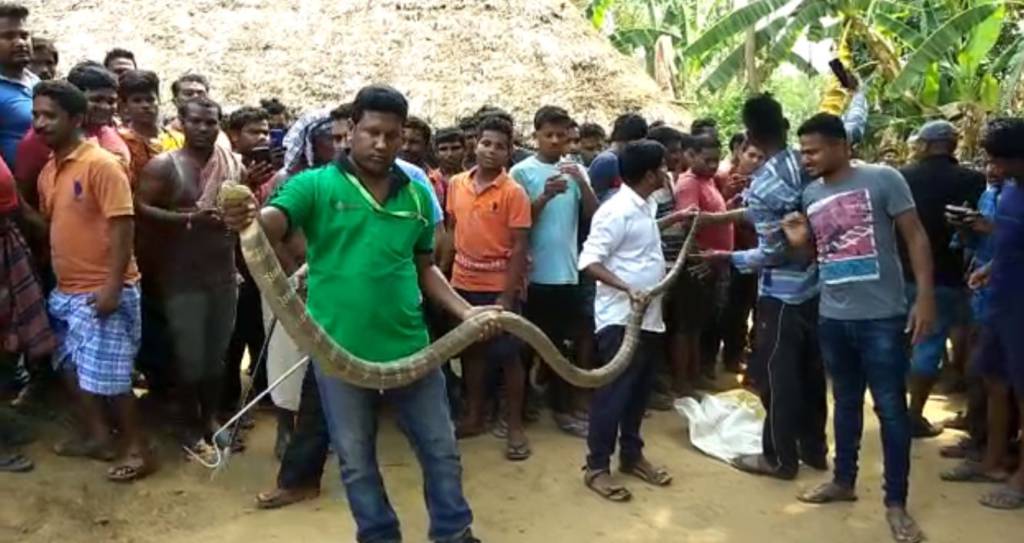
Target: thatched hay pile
(449, 56)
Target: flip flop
(15, 463)
(971, 472)
(609, 491)
(84, 448)
(828, 492)
(1005, 498)
(572, 426)
(280, 497)
(647, 472)
(904, 528)
(517, 452)
(134, 467)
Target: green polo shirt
(363, 285)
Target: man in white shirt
(623, 253)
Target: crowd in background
(122, 275)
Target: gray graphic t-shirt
(853, 221)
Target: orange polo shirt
(484, 221)
(78, 196)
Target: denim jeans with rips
(869, 355)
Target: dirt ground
(539, 500)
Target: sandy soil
(540, 500)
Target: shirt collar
(84, 147)
(496, 183)
(27, 80)
(632, 196)
(397, 179)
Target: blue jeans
(422, 409)
(869, 354)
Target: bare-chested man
(188, 255)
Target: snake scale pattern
(335, 361)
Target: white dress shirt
(624, 236)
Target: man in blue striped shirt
(786, 363)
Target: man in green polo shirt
(370, 240)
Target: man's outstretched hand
(239, 213)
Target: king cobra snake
(335, 361)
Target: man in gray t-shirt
(854, 225)
(852, 215)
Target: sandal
(600, 482)
(15, 463)
(133, 468)
(647, 472)
(903, 527)
(283, 497)
(964, 448)
(517, 452)
(85, 448)
(971, 472)
(829, 492)
(1006, 498)
(571, 425)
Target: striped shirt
(672, 238)
(775, 191)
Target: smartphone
(258, 155)
(842, 74)
(277, 137)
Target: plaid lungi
(24, 328)
(100, 350)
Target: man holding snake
(370, 242)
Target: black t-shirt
(936, 182)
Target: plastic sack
(725, 425)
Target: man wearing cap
(937, 180)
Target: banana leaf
(981, 42)
(733, 63)
(940, 43)
(735, 22)
(931, 86)
(596, 11)
(898, 28)
(802, 16)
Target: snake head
(232, 193)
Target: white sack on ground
(725, 425)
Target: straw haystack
(449, 56)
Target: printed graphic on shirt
(845, 233)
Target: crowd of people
(123, 273)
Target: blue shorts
(950, 308)
(1000, 353)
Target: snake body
(335, 361)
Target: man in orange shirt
(490, 216)
(85, 195)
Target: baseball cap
(937, 131)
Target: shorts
(504, 347)
(951, 304)
(100, 350)
(200, 324)
(555, 309)
(1000, 353)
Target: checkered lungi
(24, 327)
(100, 350)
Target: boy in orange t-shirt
(490, 216)
(85, 195)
